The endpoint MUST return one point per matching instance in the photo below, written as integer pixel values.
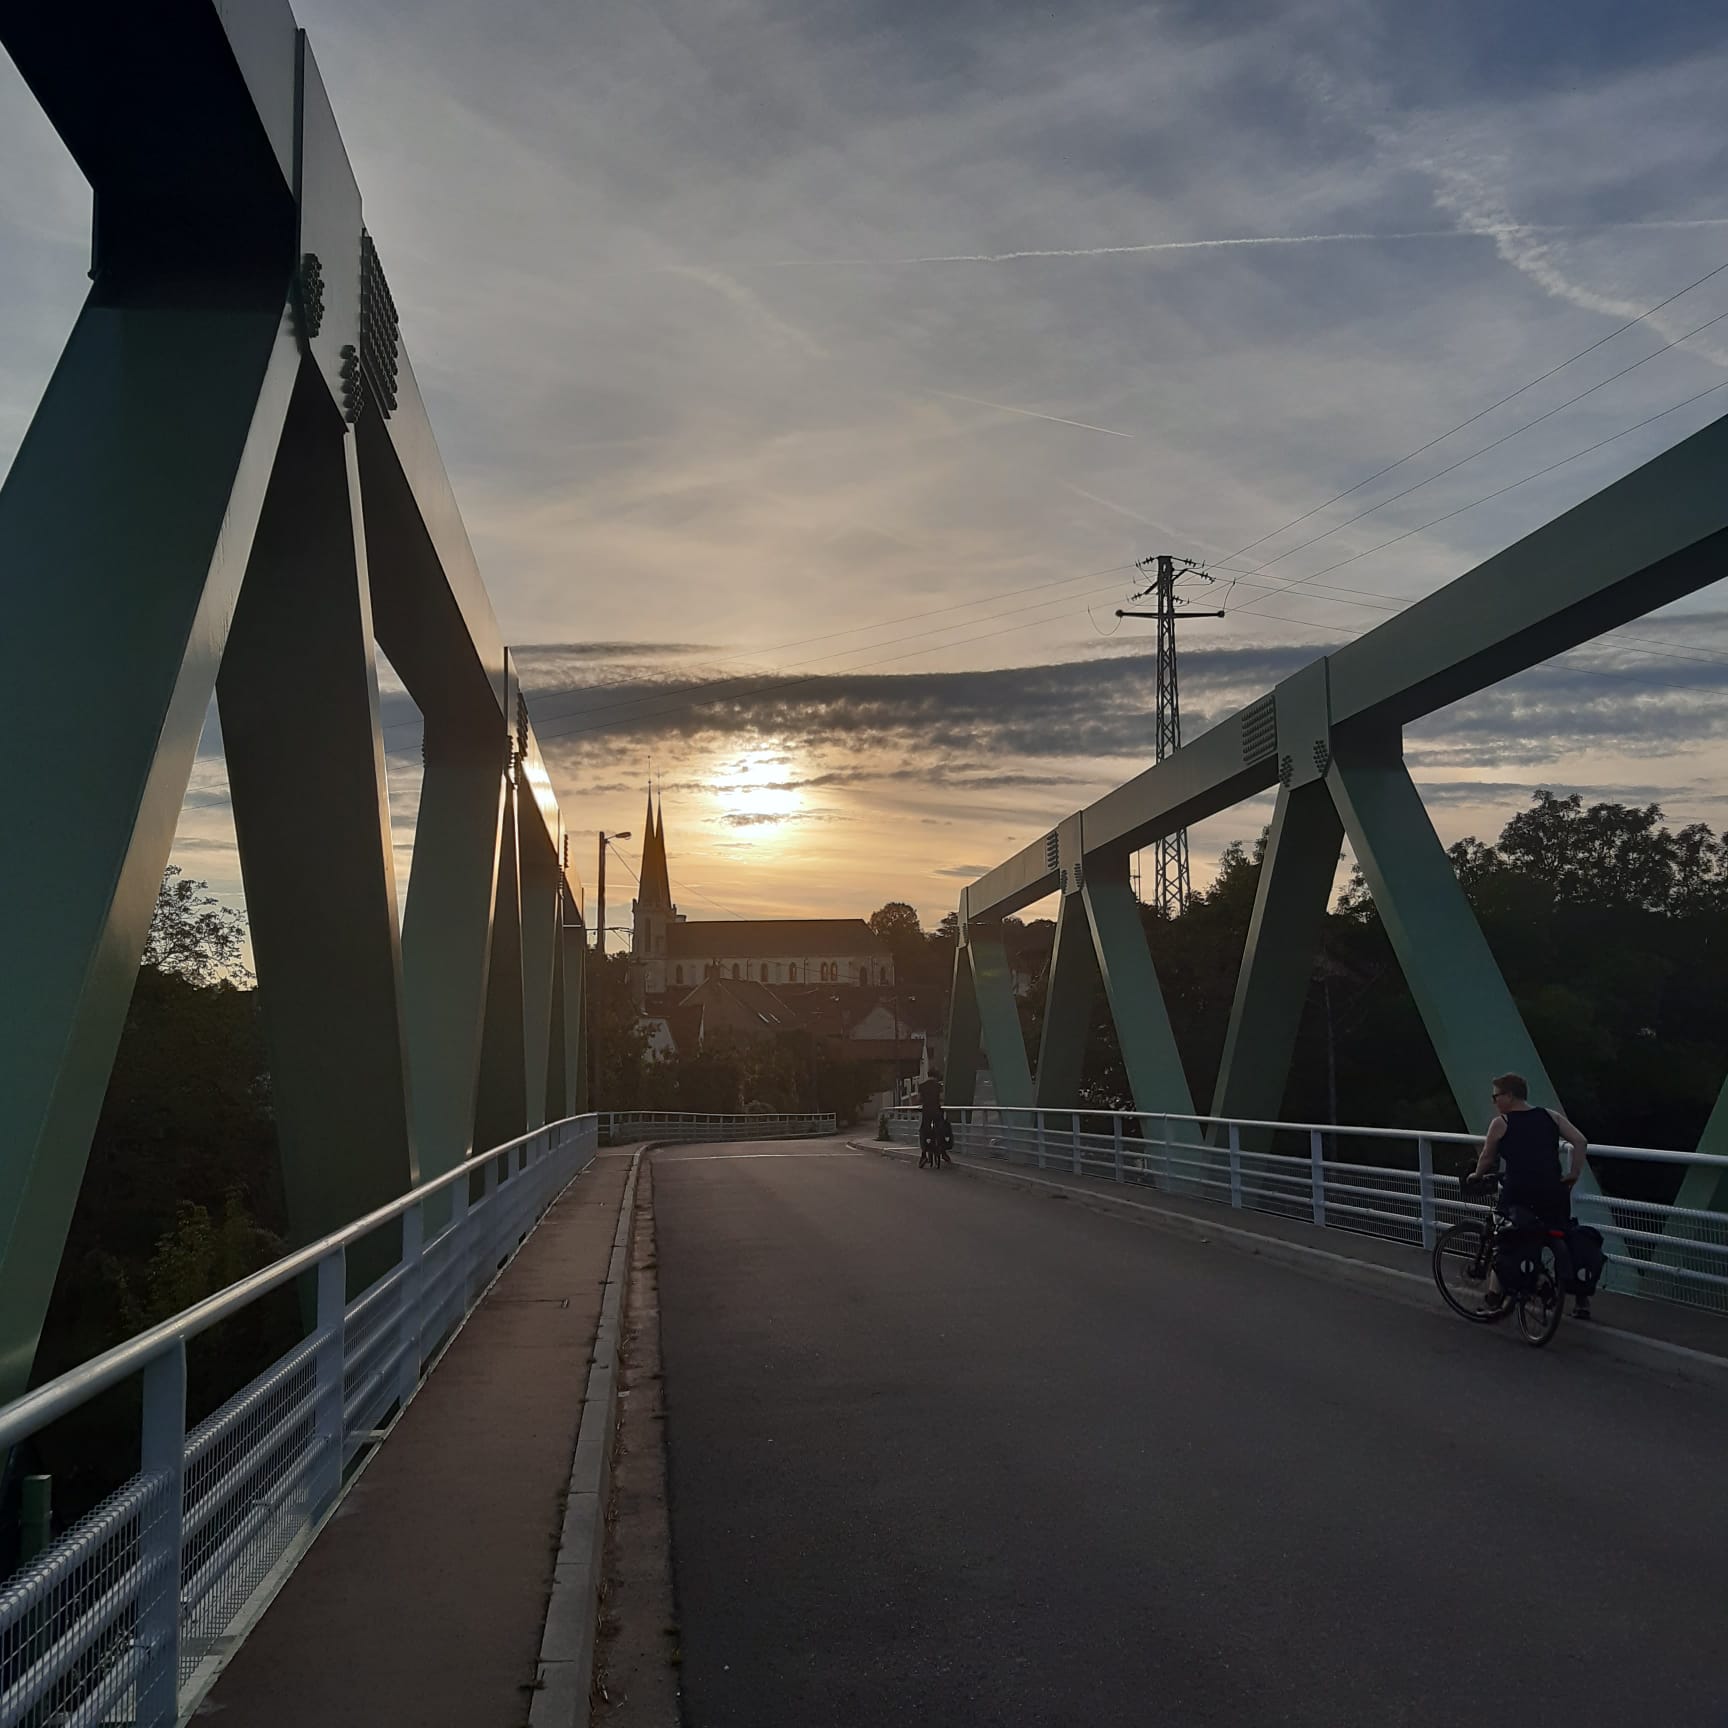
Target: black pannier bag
(1584, 1250)
(1518, 1251)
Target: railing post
(331, 1369)
(1425, 1188)
(457, 1260)
(1075, 1119)
(413, 1321)
(1040, 1139)
(1116, 1143)
(490, 1236)
(1317, 1177)
(162, 1454)
(1236, 1166)
(1168, 1153)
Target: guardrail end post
(35, 1517)
(1317, 1169)
(1425, 1188)
(162, 1453)
(1236, 1166)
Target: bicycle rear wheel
(1462, 1262)
(1539, 1310)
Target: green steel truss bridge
(231, 490)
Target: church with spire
(673, 956)
(652, 913)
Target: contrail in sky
(1031, 414)
(1241, 240)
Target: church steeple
(661, 887)
(656, 881)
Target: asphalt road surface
(948, 1452)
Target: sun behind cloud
(755, 793)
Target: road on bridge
(952, 1452)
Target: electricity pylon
(1170, 851)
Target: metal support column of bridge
(231, 487)
(1330, 739)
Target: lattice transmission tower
(1170, 886)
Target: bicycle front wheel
(1462, 1262)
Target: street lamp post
(597, 997)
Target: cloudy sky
(811, 376)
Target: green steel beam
(1704, 1189)
(125, 525)
(298, 696)
(447, 936)
(501, 1108)
(965, 1033)
(541, 945)
(998, 1015)
(1130, 978)
(575, 943)
(1068, 1003)
(228, 265)
(1296, 876)
(560, 1080)
(1475, 1025)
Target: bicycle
(1464, 1257)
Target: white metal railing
(621, 1127)
(121, 1617)
(1669, 1253)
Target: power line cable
(1480, 414)
(850, 630)
(1441, 473)
(729, 691)
(1500, 492)
(1338, 594)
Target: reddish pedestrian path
(421, 1603)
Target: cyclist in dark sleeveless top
(1525, 1142)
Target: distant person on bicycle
(935, 1135)
(1526, 1143)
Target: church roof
(755, 1000)
(756, 938)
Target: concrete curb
(1413, 1288)
(565, 1673)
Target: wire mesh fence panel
(247, 1496)
(71, 1644)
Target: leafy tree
(193, 935)
(894, 922)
